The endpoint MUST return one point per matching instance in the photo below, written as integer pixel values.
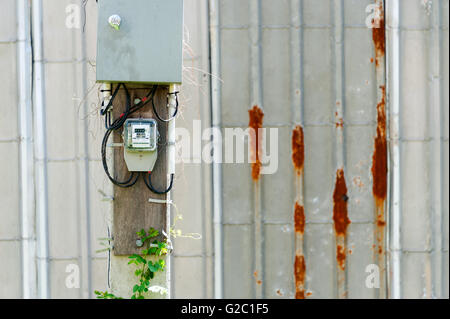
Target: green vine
(146, 268)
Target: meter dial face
(141, 135)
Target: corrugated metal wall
(79, 212)
(310, 66)
(318, 73)
(418, 95)
(10, 226)
(73, 171)
(192, 259)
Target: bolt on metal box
(140, 41)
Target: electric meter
(140, 138)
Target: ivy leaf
(141, 233)
(152, 233)
(135, 288)
(141, 260)
(153, 267)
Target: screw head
(114, 21)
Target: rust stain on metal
(379, 159)
(298, 160)
(340, 217)
(380, 156)
(340, 199)
(299, 218)
(300, 274)
(380, 169)
(339, 119)
(298, 149)
(258, 281)
(256, 116)
(379, 36)
(358, 182)
(381, 223)
(341, 256)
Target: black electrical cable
(118, 123)
(123, 117)
(150, 186)
(150, 95)
(174, 114)
(125, 184)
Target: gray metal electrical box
(140, 41)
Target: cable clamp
(115, 145)
(160, 201)
(106, 105)
(105, 197)
(176, 98)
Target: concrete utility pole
(132, 210)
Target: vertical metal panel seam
(297, 108)
(256, 99)
(26, 156)
(41, 174)
(393, 89)
(435, 62)
(78, 175)
(88, 262)
(338, 70)
(207, 185)
(380, 156)
(215, 66)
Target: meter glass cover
(141, 135)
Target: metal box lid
(147, 48)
